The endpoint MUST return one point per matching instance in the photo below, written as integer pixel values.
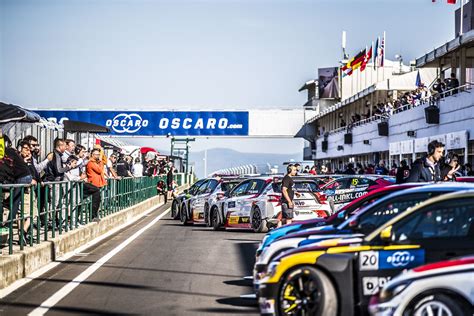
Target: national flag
(418, 79)
(381, 52)
(346, 69)
(376, 52)
(367, 58)
(358, 60)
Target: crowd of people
(443, 168)
(68, 163)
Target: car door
(201, 198)
(191, 202)
(444, 230)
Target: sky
(197, 54)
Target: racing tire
(259, 225)
(214, 219)
(437, 304)
(312, 288)
(183, 211)
(175, 210)
(207, 217)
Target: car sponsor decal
(234, 220)
(231, 204)
(372, 285)
(385, 260)
(347, 197)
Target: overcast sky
(209, 54)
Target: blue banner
(129, 123)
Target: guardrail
(33, 214)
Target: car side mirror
(386, 234)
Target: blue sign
(401, 259)
(130, 123)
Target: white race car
(444, 288)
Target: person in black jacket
(451, 166)
(427, 168)
(403, 172)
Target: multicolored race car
(346, 189)
(340, 280)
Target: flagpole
(462, 18)
(384, 53)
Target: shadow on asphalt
(240, 282)
(65, 310)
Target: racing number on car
(369, 260)
(355, 182)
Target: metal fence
(33, 214)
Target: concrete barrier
(19, 265)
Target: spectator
(343, 123)
(451, 166)
(123, 168)
(111, 173)
(393, 170)
(35, 151)
(313, 171)
(439, 87)
(350, 169)
(95, 175)
(453, 84)
(427, 168)
(369, 169)
(70, 149)
(324, 169)
(161, 190)
(469, 171)
(169, 178)
(137, 168)
(403, 172)
(381, 170)
(306, 169)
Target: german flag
(357, 61)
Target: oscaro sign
(187, 123)
(126, 123)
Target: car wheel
(215, 222)
(207, 219)
(175, 210)
(259, 225)
(437, 304)
(307, 291)
(184, 215)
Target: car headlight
(390, 292)
(272, 267)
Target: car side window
(195, 187)
(211, 186)
(202, 188)
(382, 213)
(240, 189)
(451, 219)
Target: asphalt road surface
(168, 270)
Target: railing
(32, 214)
(432, 100)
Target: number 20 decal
(369, 260)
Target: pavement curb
(19, 265)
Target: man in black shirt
(426, 169)
(403, 172)
(123, 168)
(287, 195)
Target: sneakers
(95, 219)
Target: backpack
(6, 170)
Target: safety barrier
(43, 211)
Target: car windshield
(373, 215)
(226, 186)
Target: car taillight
(274, 198)
(321, 213)
(322, 198)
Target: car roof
(422, 205)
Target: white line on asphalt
(17, 284)
(68, 288)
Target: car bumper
(267, 298)
(383, 309)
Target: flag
(381, 52)
(376, 52)
(367, 58)
(418, 79)
(346, 69)
(357, 61)
(451, 1)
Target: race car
(357, 226)
(335, 219)
(339, 280)
(255, 203)
(346, 189)
(177, 201)
(194, 208)
(443, 288)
